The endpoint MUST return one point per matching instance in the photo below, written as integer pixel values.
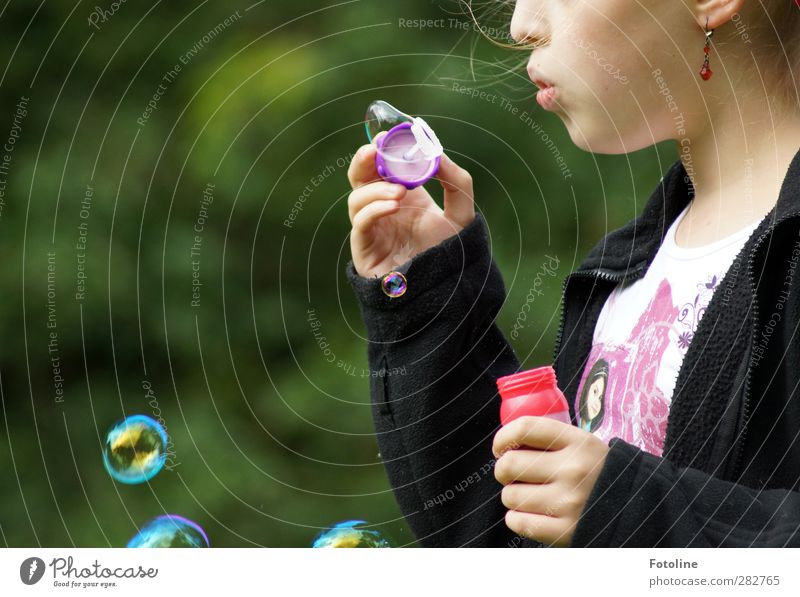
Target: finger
(362, 168)
(366, 194)
(535, 498)
(364, 219)
(543, 433)
(544, 529)
(378, 136)
(459, 204)
(529, 466)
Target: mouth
(538, 80)
(546, 96)
(541, 84)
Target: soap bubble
(351, 533)
(135, 449)
(170, 530)
(394, 284)
(382, 116)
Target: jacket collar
(632, 247)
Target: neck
(737, 163)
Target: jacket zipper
(746, 396)
(599, 273)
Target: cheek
(608, 87)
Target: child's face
(594, 399)
(601, 59)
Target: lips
(541, 84)
(546, 96)
(538, 79)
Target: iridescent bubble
(382, 116)
(351, 533)
(170, 530)
(394, 284)
(135, 449)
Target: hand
(392, 224)
(548, 484)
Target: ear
(717, 12)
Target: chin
(594, 141)
(609, 141)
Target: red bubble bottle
(532, 393)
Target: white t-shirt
(641, 337)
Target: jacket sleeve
(434, 354)
(642, 500)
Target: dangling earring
(706, 72)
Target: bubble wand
(410, 152)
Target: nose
(528, 22)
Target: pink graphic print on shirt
(621, 390)
(690, 314)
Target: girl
(693, 306)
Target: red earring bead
(705, 71)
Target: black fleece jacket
(730, 470)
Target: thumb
(459, 204)
(378, 136)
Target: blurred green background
(271, 440)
